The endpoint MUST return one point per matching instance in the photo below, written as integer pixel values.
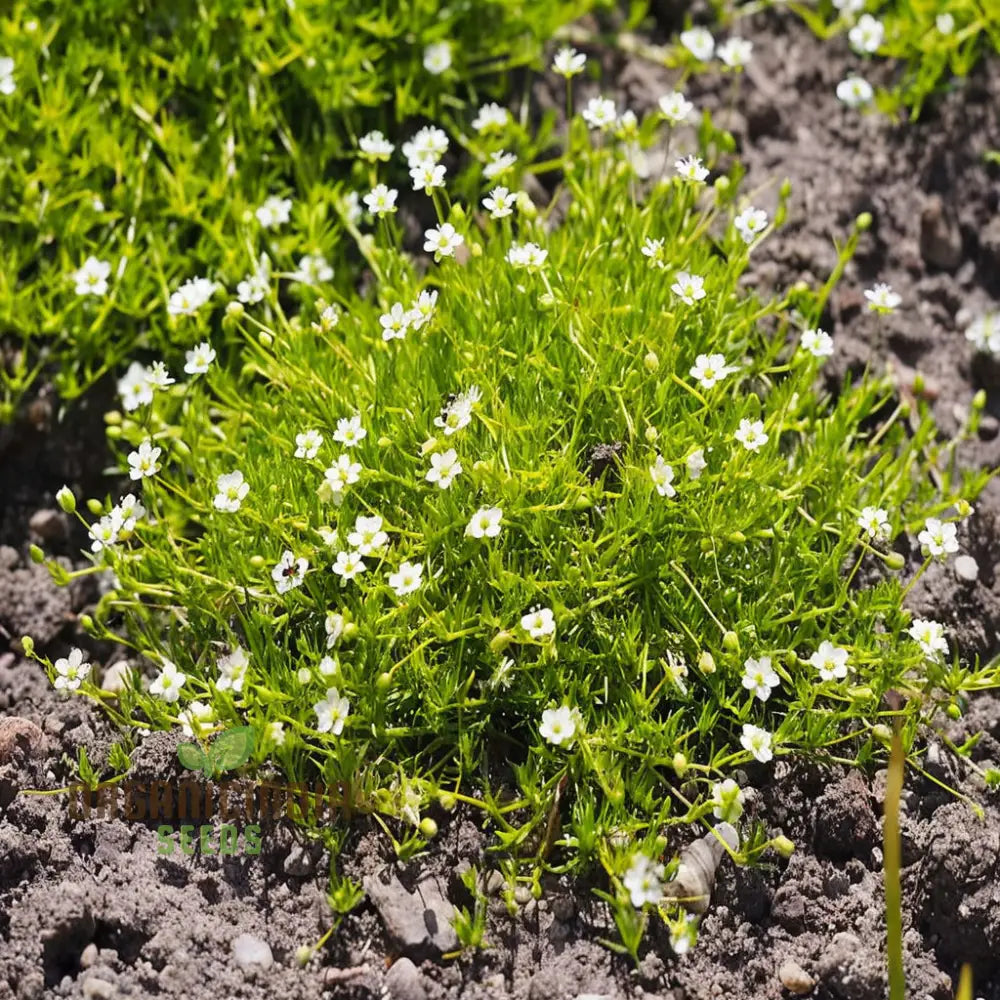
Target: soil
(88, 908)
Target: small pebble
(404, 982)
(116, 677)
(89, 956)
(48, 525)
(795, 979)
(20, 738)
(252, 953)
(97, 989)
(966, 568)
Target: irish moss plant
(551, 517)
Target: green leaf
(232, 748)
(192, 756)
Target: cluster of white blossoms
(644, 881)
(984, 333)
(735, 52)
(7, 82)
(399, 320)
(274, 212)
(191, 296)
(117, 525)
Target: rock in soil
(20, 739)
(418, 922)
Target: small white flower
(984, 333)
(422, 310)
(134, 387)
(757, 741)
(307, 444)
(567, 62)
(458, 412)
(104, 533)
(600, 113)
(406, 579)
(7, 82)
(699, 42)
(675, 107)
(127, 513)
(727, 801)
(830, 661)
(696, 463)
(190, 297)
(289, 572)
(331, 712)
(689, 287)
(375, 146)
(429, 143)
(691, 169)
(654, 251)
(867, 34)
(313, 269)
(499, 203)
(938, 539)
(349, 431)
(751, 434)
(750, 223)
(444, 468)
(92, 277)
(854, 91)
(143, 462)
(485, 523)
(343, 473)
(395, 322)
(381, 200)
(491, 117)
(437, 58)
(427, 175)
(528, 255)
(334, 628)
(850, 7)
(168, 683)
(274, 212)
(232, 670)
(275, 733)
(874, 522)
(329, 317)
(759, 677)
(644, 881)
(443, 241)
(255, 286)
(197, 719)
(157, 376)
(71, 670)
(539, 623)
(349, 565)
(881, 298)
(499, 163)
(710, 369)
(676, 671)
(329, 666)
(735, 52)
(818, 343)
(945, 23)
(684, 934)
(232, 491)
(368, 536)
(930, 635)
(199, 359)
(662, 476)
(559, 725)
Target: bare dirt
(88, 908)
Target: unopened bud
(651, 361)
(66, 500)
(863, 222)
(680, 764)
(783, 846)
(37, 555)
(428, 827)
(731, 642)
(706, 662)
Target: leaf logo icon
(230, 750)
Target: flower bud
(863, 222)
(882, 733)
(706, 544)
(784, 192)
(501, 641)
(428, 827)
(651, 361)
(706, 662)
(894, 560)
(979, 400)
(383, 682)
(651, 434)
(87, 624)
(264, 339)
(257, 562)
(235, 310)
(731, 642)
(737, 537)
(476, 249)
(954, 711)
(113, 417)
(66, 500)
(680, 763)
(525, 205)
(963, 507)
(447, 801)
(783, 846)
(303, 954)
(28, 645)
(37, 555)
(350, 631)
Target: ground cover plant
(553, 518)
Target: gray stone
(301, 862)
(252, 953)
(404, 981)
(97, 989)
(795, 979)
(419, 922)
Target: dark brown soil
(89, 909)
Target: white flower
(289, 572)
(71, 670)
(232, 670)
(168, 683)
(675, 670)
(104, 533)
(559, 725)
(881, 298)
(874, 522)
(381, 200)
(349, 565)
(675, 107)
(342, 473)
(331, 712)
(759, 677)
(817, 342)
(368, 536)
(500, 162)
(490, 117)
(308, 443)
(190, 297)
(197, 719)
(134, 387)
(334, 628)
(329, 317)
(855, 91)
(395, 322)
(157, 376)
(444, 468)
(938, 539)
(984, 333)
(423, 309)
(274, 212)
(92, 277)
(600, 113)
(406, 579)
(689, 287)
(691, 169)
(867, 34)
(232, 491)
(485, 523)
(437, 58)
(735, 52)
(499, 203)
(830, 661)
(757, 741)
(458, 412)
(696, 463)
(699, 42)
(255, 286)
(684, 935)
(442, 241)
(539, 623)
(945, 23)
(429, 143)
(427, 175)
(198, 360)
(930, 635)
(349, 431)
(644, 881)
(528, 255)
(850, 7)
(751, 434)
(727, 801)
(7, 83)
(127, 513)
(654, 251)
(375, 146)
(750, 223)
(275, 733)
(329, 666)
(662, 476)
(710, 369)
(312, 270)
(142, 463)
(568, 62)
